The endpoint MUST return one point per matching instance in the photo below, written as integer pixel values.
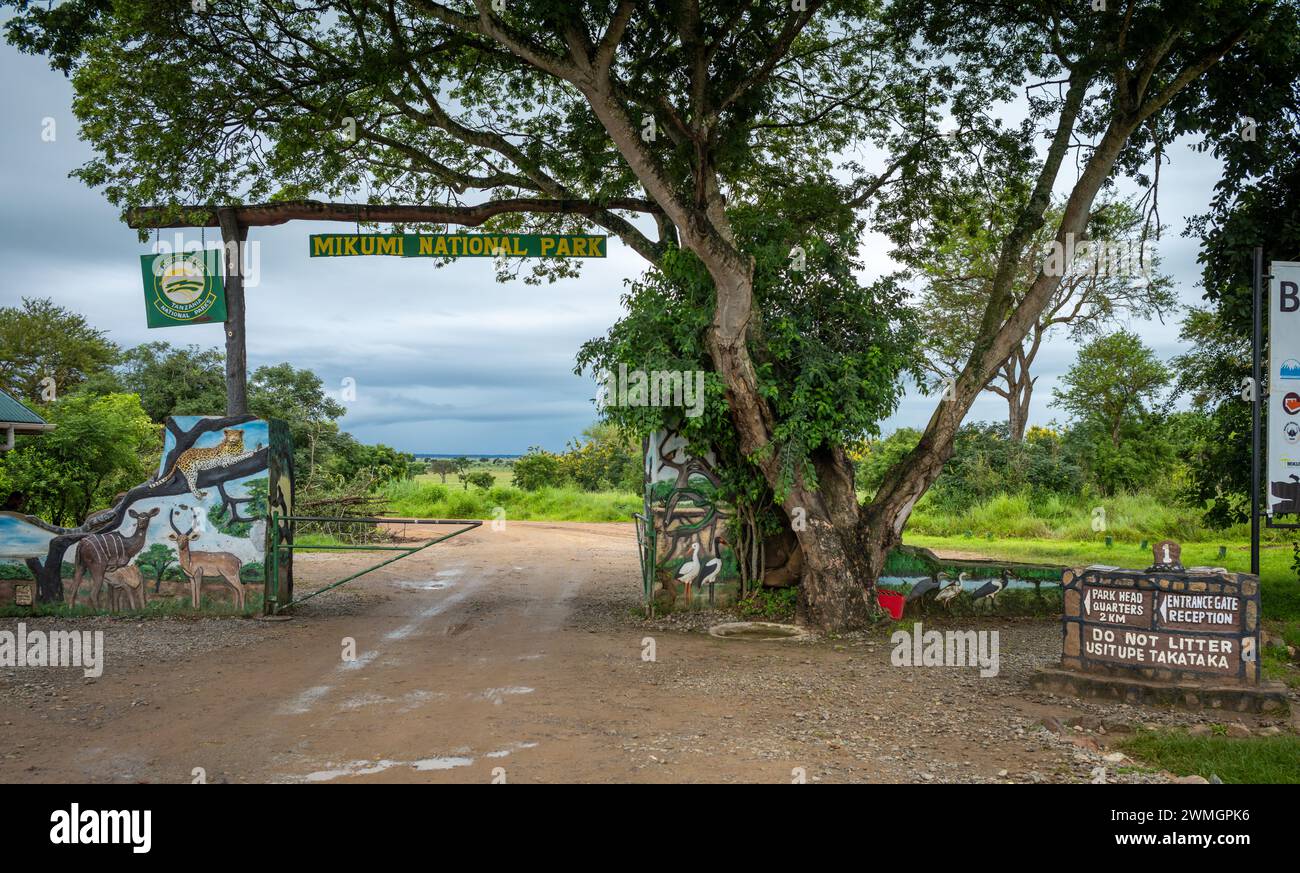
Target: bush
(538, 469)
(480, 479)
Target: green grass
(1248, 760)
(769, 604)
(502, 474)
(172, 607)
(1126, 516)
(1279, 591)
(421, 498)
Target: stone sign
(1162, 624)
(1167, 555)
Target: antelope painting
(99, 553)
(125, 584)
(196, 565)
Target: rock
(1115, 758)
(1002, 774)
(1191, 780)
(1215, 780)
(1237, 729)
(1117, 726)
(1052, 724)
(1199, 730)
(1270, 731)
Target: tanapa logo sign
(183, 288)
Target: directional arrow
(1087, 600)
(1163, 617)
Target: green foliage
(14, 570)
(1246, 760)
(298, 397)
(604, 460)
(39, 339)
(1216, 441)
(379, 462)
(1114, 391)
(829, 350)
(100, 446)
(878, 456)
(442, 467)
(480, 479)
(1115, 379)
(538, 469)
(155, 561)
(986, 462)
(257, 492)
(960, 259)
(171, 381)
(770, 604)
(431, 500)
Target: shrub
(538, 469)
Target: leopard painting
(194, 460)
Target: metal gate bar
(647, 551)
(468, 525)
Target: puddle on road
(304, 701)
(427, 585)
(497, 695)
(424, 765)
(410, 701)
(513, 747)
(369, 768)
(441, 763)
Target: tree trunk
(233, 236)
(837, 583)
(1018, 407)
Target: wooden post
(233, 235)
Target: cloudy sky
(444, 360)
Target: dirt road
(518, 655)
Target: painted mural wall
(694, 565)
(195, 535)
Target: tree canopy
(721, 134)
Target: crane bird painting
(922, 588)
(690, 571)
(714, 568)
(991, 589)
(948, 594)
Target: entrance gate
(280, 553)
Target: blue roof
(14, 412)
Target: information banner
(457, 245)
(1283, 421)
(183, 288)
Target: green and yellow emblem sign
(458, 245)
(183, 288)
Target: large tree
(47, 350)
(1115, 378)
(1118, 276)
(631, 115)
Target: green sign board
(457, 245)
(183, 288)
